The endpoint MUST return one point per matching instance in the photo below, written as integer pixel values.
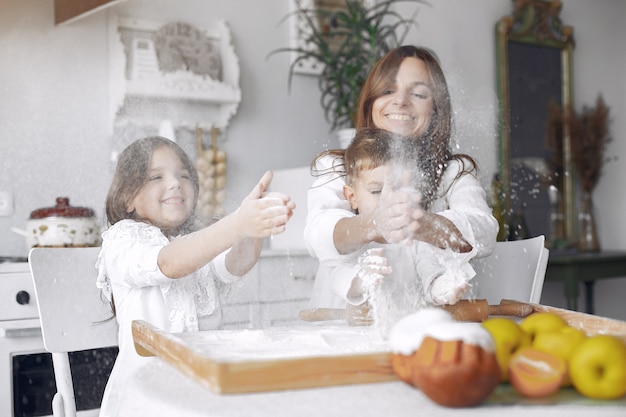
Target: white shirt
(464, 204)
(128, 269)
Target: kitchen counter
(160, 390)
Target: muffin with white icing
(453, 363)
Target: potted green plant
(346, 38)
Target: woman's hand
(399, 218)
(441, 232)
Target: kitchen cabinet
(66, 11)
(273, 292)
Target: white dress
(127, 268)
(464, 204)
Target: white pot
(345, 136)
(62, 225)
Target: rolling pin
(354, 315)
(464, 310)
(480, 310)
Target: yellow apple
(598, 367)
(560, 343)
(508, 337)
(542, 322)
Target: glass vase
(587, 233)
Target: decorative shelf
(172, 71)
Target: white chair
(515, 270)
(72, 312)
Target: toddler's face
(365, 190)
(166, 200)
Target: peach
(535, 373)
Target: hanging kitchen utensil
(211, 166)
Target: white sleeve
(218, 265)
(135, 262)
(465, 205)
(326, 206)
(341, 281)
(328, 293)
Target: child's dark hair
(373, 147)
(369, 149)
(131, 174)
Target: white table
(160, 390)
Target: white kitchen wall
(54, 98)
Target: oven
(26, 373)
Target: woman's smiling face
(406, 106)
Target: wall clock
(181, 46)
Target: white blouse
(128, 270)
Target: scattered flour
(285, 342)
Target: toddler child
(416, 273)
(157, 263)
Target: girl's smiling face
(167, 198)
(406, 106)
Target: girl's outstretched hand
(264, 214)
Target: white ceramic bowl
(62, 231)
(61, 225)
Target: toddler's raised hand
(373, 267)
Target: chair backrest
(515, 270)
(72, 312)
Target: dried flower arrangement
(590, 138)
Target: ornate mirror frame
(536, 23)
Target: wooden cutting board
(588, 323)
(229, 361)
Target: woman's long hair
(436, 140)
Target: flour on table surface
(285, 342)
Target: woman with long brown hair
(406, 93)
